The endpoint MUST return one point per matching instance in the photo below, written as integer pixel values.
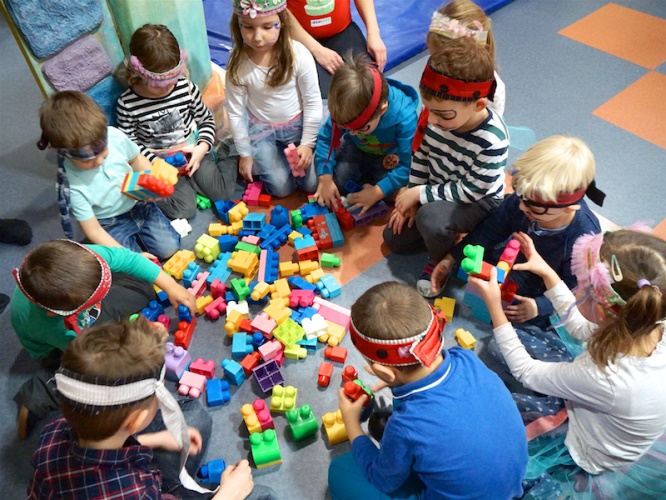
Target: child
(463, 18)
(273, 97)
(93, 160)
(454, 432)
(457, 173)
(378, 120)
(550, 181)
(615, 392)
(163, 113)
(111, 385)
(63, 287)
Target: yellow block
(202, 302)
(465, 339)
(447, 306)
(293, 237)
(334, 427)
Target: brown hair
(59, 274)
(115, 351)
(72, 120)
(466, 12)
(640, 256)
(283, 61)
(351, 89)
(156, 48)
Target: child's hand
(236, 482)
(164, 440)
(440, 273)
(351, 410)
(179, 295)
(245, 168)
(397, 220)
(535, 262)
(406, 199)
(149, 256)
(327, 192)
(198, 154)
(328, 59)
(365, 198)
(489, 290)
(305, 152)
(524, 311)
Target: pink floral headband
(254, 8)
(153, 79)
(452, 28)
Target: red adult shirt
(321, 18)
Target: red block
(336, 353)
(265, 200)
(245, 326)
(183, 335)
(325, 373)
(349, 374)
(355, 391)
(250, 362)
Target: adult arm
(376, 47)
(327, 58)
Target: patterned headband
(254, 8)
(451, 28)
(447, 87)
(86, 152)
(153, 79)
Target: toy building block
(301, 283)
(264, 448)
(227, 242)
(258, 339)
(252, 193)
(302, 422)
(254, 221)
(349, 374)
(320, 232)
(509, 289)
(268, 375)
(207, 248)
(279, 217)
(309, 210)
(325, 374)
(329, 260)
(182, 227)
(253, 240)
(283, 399)
(250, 418)
(269, 349)
(315, 276)
(447, 306)
(233, 371)
(177, 359)
(307, 266)
(309, 345)
(335, 428)
(246, 326)
(268, 266)
(509, 255)
(165, 171)
(203, 203)
(279, 358)
(296, 218)
(234, 318)
(301, 298)
(217, 392)
(190, 274)
(183, 335)
(288, 269)
(205, 368)
(280, 289)
(310, 253)
(295, 351)
(288, 332)
(240, 288)
(222, 207)
(203, 302)
(217, 288)
(235, 228)
(164, 320)
(266, 231)
(178, 262)
(465, 339)
(352, 187)
(345, 219)
(216, 307)
(142, 185)
(336, 353)
(472, 263)
(355, 389)
(250, 362)
(260, 290)
(329, 287)
(277, 238)
(292, 159)
(293, 236)
(263, 323)
(377, 211)
(238, 212)
(265, 200)
(315, 327)
(333, 312)
(304, 242)
(199, 285)
(153, 311)
(212, 471)
(216, 229)
(241, 345)
(191, 384)
(278, 311)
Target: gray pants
(437, 225)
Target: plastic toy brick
(309, 345)
(465, 339)
(190, 274)
(164, 320)
(245, 326)
(260, 290)
(352, 187)
(153, 311)
(329, 260)
(263, 323)
(166, 171)
(277, 238)
(345, 219)
(265, 200)
(355, 389)
(473, 260)
(305, 231)
(315, 275)
(301, 298)
(294, 235)
(178, 262)
(292, 159)
(234, 319)
(268, 266)
(315, 327)
(280, 217)
(223, 208)
(205, 368)
(320, 232)
(302, 422)
(252, 193)
(277, 311)
(177, 359)
(227, 242)
(334, 230)
(199, 285)
(377, 211)
(306, 266)
(240, 288)
(305, 242)
(280, 289)
(301, 283)
(279, 358)
(283, 399)
(337, 354)
(325, 373)
(333, 312)
(238, 212)
(233, 371)
(269, 349)
(263, 415)
(216, 229)
(207, 248)
(335, 428)
(250, 418)
(288, 332)
(203, 203)
(212, 471)
(162, 296)
(235, 227)
(335, 334)
(296, 218)
(183, 335)
(241, 306)
(258, 339)
(295, 351)
(241, 345)
(329, 287)
(510, 253)
(288, 269)
(155, 186)
(509, 290)
(253, 240)
(309, 210)
(142, 185)
(307, 253)
(501, 273)
(203, 302)
(349, 374)
(268, 376)
(216, 308)
(191, 384)
(250, 362)
(217, 288)
(264, 448)
(266, 231)
(182, 227)
(217, 392)
(254, 221)
(447, 306)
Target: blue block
(254, 221)
(246, 232)
(217, 392)
(310, 345)
(301, 283)
(163, 298)
(304, 242)
(219, 269)
(233, 371)
(334, 230)
(501, 275)
(352, 187)
(271, 270)
(328, 287)
(277, 238)
(279, 217)
(223, 208)
(241, 345)
(212, 471)
(230, 296)
(266, 231)
(184, 313)
(309, 210)
(482, 314)
(190, 274)
(153, 310)
(178, 160)
(227, 242)
(461, 275)
(305, 231)
(307, 312)
(258, 339)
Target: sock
(15, 232)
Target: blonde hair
(556, 165)
(351, 89)
(156, 48)
(283, 61)
(72, 120)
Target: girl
(162, 111)
(273, 97)
(615, 392)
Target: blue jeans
(144, 228)
(270, 164)
(356, 165)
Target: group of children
(455, 430)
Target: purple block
(376, 211)
(268, 375)
(176, 360)
(78, 67)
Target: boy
(93, 160)
(455, 431)
(378, 120)
(457, 172)
(550, 181)
(111, 385)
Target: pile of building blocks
(158, 182)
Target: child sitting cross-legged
(454, 432)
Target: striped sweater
(462, 167)
(166, 122)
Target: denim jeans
(356, 165)
(270, 164)
(144, 228)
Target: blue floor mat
(404, 25)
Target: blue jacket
(393, 135)
(458, 429)
(495, 232)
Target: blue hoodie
(393, 135)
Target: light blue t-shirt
(97, 192)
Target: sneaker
(423, 283)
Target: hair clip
(616, 272)
(451, 28)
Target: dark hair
(156, 47)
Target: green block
(264, 447)
(242, 245)
(289, 332)
(296, 219)
(240, 288)
(365, 388)
(202, 202)
(329, 260)
(302, 422)
(473, 261)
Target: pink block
(263, 323)
(262, 266)
(205, 368)
(263, 415)
(199, 285)
(217, 288)
(333, 312)
(252, 193)
(165, 320)
(293, 158)
(301, 298)
(269, 349)
(252, 240)
(279, 358)
(191, 384)
(215, 308)
(510, 252)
